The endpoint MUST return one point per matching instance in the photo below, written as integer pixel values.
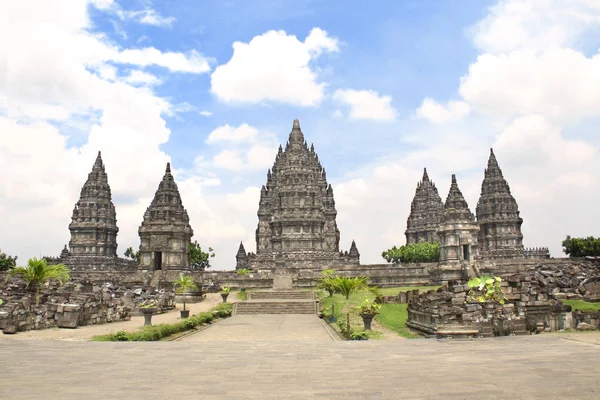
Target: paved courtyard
(276, 327)
(532, 367)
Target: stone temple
(296, 214)
(425, 213)
(165, 232)
(495, 232)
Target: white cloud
(149, 17)
(440, 114)
(534, 24)
(245, 201)
(80, 89)
(192, 62)
(366, 104)
(273, 67)
(243, 148)
(242, 133)
(136, 77)
(205, 113)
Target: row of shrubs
(158, 332)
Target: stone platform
(526, 368)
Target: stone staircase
(278, 302)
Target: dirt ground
(89, 331)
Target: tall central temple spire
(296, 213)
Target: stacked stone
(297, 215)
(94, 221)
(425, 213)
(458, 230)
(165, 232)
(241, 258)
(498, 216)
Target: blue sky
(382, 88)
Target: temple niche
(165, 232)
(458, 229)
(425, 213)
(296, 213)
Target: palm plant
(37, 272)
(184, 284)
(346, 287)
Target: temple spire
(98, 163)
(456, 208)
(425, 176)
(168, 170)
(296, 135)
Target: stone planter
(367, 319)
(148, 313)
(224, 296)
(184, 313)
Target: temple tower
(458, 229)
(165, 232)
(296, 215)
(94, 221)
(241, 258)
(498, 216)
(425, 213)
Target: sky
(382, 88)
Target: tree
(581, 247)
(198, 258)
(327, 280)
(37, 272)
(346, 287)
(184, 284)
(413, 253)
(135, 256)
(7, 262)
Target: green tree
(413, 253)
(198, 258)
(135, 256)
(37, 272)
(327, 280)
(7, 262)
(346, 287)
(581, 247)
(184, 284)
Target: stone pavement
(532, 367)
(264, 327)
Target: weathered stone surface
(498, 216)
(165, 232)
(457, 230)
(425, 213)
(296, 214)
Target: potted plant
(367, 310)
(225, 292)
(148, 308)
(182, 285)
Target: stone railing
(536, 252)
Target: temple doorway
(157, 260)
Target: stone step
(276, 307)
(296, 294)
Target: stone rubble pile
(72, 305)
(569, 280)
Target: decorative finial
(296, 124)
(425, 175)
(453, 178)
(168, 167)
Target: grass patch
(580, 305)
(162, 331)
(391, 316)
(394, 317)
(241, 295)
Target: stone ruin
(72, 305)
(533, 304)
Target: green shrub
(413, 253)
(158, 332)
(581, 247)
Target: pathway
(89, 331)
(264, 327)
(522, 367)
